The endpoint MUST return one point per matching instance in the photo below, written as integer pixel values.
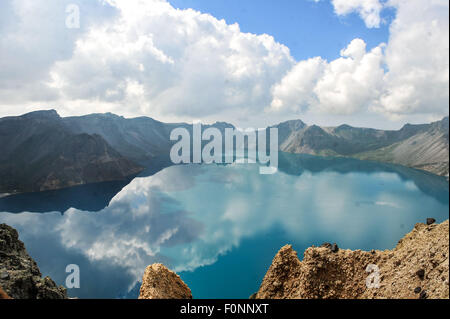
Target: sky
(298, 24)
(372, 63)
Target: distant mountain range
(43, 151)
(40, 151)
(424, 146)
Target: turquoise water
(219, 226)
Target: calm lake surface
(219, 226)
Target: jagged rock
(324, 274)
(430, 221)
(161, 283)
(20, 276)
(281, 275)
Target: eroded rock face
(161, 283)
(417, 268)
(20, 277)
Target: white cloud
(185, 64)
(32, 37)
(368, 10)
(294, 90)
(155, 220)
(350, 83)
(344, 86)
(408, 75)
(417, 59)
(147, 58)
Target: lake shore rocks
(159, 282)
(417, 268)
(20, 277)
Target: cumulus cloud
(294, 89)
(147, 58)
(417, 59)
(155, 59)
(408, 75)
(368, 10)
(32, 37)
(154, 219)
(344, 86)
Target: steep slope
(39, 152)
(418, 267)
(289, 128)
(42, 151)
(315, 141)
(139, 139)
(159, 282)
(422, 146)
(427, 150)
(20, 276)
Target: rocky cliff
(20, 277)
(418, 267)
(161, 283)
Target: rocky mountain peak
(45, 114)
(293, 125)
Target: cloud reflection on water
(187, 216)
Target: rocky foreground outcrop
(20, 277)
(161, 283)
(418, 267)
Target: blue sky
(374, 63)
(307, 27)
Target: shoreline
(417, 268)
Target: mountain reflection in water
(219, 226)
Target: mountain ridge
(39, 152)
(43, 151)
(398, 147)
